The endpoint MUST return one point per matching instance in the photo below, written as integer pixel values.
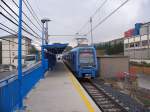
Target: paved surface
(57, 93)
(3, 75)
(144, 81)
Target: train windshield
(86, 56)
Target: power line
(17, 25)
(103, 20)
(18, 17)
(11, 34)
(26, 15)
(9, 13)
(9, 29)
(32, 12)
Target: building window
(137, 44)
(144, 42)
(13, 45)
(13, 53)
(131, 45)
(126, 45)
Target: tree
(33, 50)
(111, 49)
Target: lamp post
(44, 33)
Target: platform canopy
(55, 48)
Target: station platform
(59, 91)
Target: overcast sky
(68, 16)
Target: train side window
(72, 58)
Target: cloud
(68, 16)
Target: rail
(9, 87)
(102, 99)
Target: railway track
(102, 99)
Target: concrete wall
(138, 53)
(111, 66)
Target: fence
(9, 88)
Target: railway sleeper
(102, 99)
(90, 88)
(107, 106)
(94, 92)
(105, 102)
(98, 96)
(112, 110)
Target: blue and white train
(82, 61)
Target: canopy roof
(56, 48)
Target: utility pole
(91, 31)
(148, 27)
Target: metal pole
(43, 33)
(20, 55)
(91, 31)
(9, 53)
(148, 41)
(46, 33)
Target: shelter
(52, 51)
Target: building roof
(13, 36)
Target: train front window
(86, 56)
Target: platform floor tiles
(59, 91)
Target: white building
(10, 48)
(138, 47)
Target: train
(82, 61)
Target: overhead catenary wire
(99, 8)
(26, 16)
(18, 17)
(103, 20)
(29, 7)
(92, 16)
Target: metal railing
(9, 87)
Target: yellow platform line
(80, 91)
